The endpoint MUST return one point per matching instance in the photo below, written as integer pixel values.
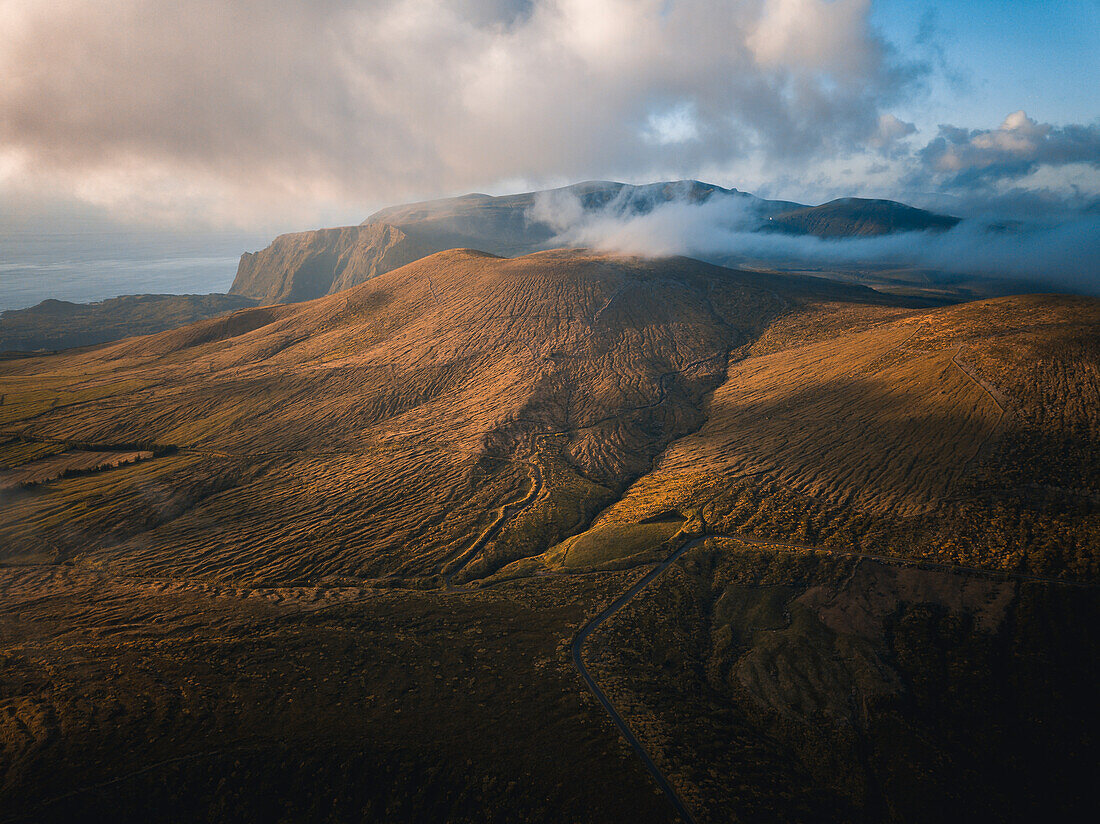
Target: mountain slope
(362, 537)
(466, 381)
(949, 435)
(858, 217)
(451, 382)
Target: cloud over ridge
(733, 228)
(314, 110)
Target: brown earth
(345, 586)
(58, 324)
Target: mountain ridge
(305, 265)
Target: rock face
(307, 265)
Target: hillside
(858, 217)
(828, 555)
(475, 370)
(58, 324)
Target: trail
(506, 513)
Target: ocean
(87, 266)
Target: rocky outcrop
(307, 265)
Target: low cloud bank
(733, 228)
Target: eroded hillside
(830, 556)
(387, 423)
(966, 435)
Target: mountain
(858, 217)
(430, 547)
(306, 265)
(59, 324)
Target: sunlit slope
(381, 430)
(967, 435)
(465, 411)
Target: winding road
(653, 574)
(590, 682)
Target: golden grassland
(345, 583)
(384, 461)
(894, 441)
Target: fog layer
(730, 229)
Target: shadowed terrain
(58, 324)
(342, 575)
(858, 217)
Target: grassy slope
(964, 435)
(373, 432)
(333, 450)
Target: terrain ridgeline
(306, 265)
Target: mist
(731, 229)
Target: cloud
(961, 158)
(234, 111)
(727, 229)
(816, 36)
(890, 130)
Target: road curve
(626, 597)
(578, 661)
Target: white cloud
(817, 35)
(237, 111)
(675, 125)
(1063, 255)
(890, 130)
(1018, 147)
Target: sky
(274, 115)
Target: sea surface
(87, 266)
